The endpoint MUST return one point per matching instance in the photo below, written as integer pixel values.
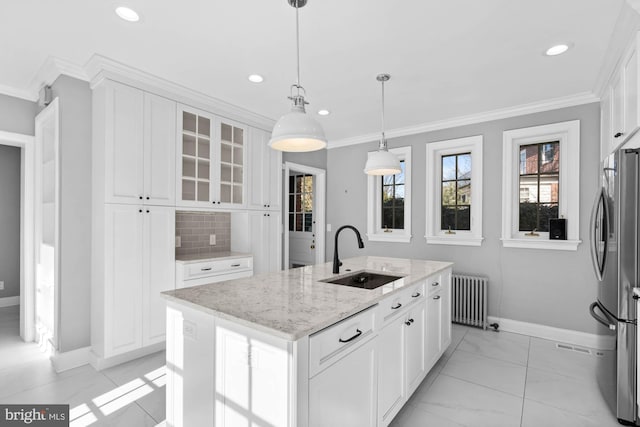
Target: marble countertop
(291, 304)
(213, 256)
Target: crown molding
(99, 68)
(626, 27)
(518, 110)
(18, 93)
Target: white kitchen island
(285, 349)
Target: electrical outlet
(1, 285)
(189, 330)
(178, 241)
(212, 239)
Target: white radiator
(469, 300)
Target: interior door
(302, 248)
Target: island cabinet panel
(391, 377)
(415, 346)
(445, 318)
(433, 329)
(345, 394)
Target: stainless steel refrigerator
(614, 250)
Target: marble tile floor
(483, 379)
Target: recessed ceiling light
(127, 14)
(557, 50)
(324, 112)
(256, 78)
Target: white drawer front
(396, 303)
(209, 268)
(434, 284)
(334, 342)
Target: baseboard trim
(70, 359)
(100, 363)
(600, 342)
(10, 301)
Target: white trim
(518, 110)
(27, 222)
(374, 203)
(100, 363)
(70, 359)
(51, 69)
(10, 301)
(17, 93)
(320, 196)
(435, 151)
(569, 336)
(568, 133)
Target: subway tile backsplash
(194, 229)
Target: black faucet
(336, 261)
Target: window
(541, 170)
(389, 202)
(301, 203)
(454, 192)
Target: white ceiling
(447, 58)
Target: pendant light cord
(298, 47)
(383, 141)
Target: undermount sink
(363, 280)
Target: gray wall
(75, 212)
(17, 115)
(551, 288)
(315, 159)
(10, 220)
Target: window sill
(454, 240)
(557, 245)
(389, 237)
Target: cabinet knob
(436, 297)
(140, 210)
(618, 135)
(147, 197)
(147, 210)
(140, 197)
(218, 201)
(435, 284)
(409, 322)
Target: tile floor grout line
(526, 375)
(481, 385)
(520, 365)
(134, 402)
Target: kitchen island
(288, 349)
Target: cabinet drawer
(434, 284)
(334, 342)
(211, 268)
(396, 303)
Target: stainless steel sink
(363, 279)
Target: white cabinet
(265, 243)
(445, 327)
(391, 378)
(210, 160)
(433, 329)
(415, 356)
(606, 137)
(266, 172)
(212, 271)
(136, 130)
(345, 394)
(139, 254)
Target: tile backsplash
(194, 229)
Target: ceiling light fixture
(557, 50)
(255, 78)
(296, 131)
(127, 14)
(382, 162)
(324, 112)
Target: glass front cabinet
(211, 160)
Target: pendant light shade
(295, 131)
(382, 162)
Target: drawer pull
(435, 284)
(436, 297)
(409, 322)
(206, 269)
(618, 135)
(397, 306)
(416, 295)
(235, 265)
(358, 333)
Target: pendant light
(382, 162)
(295, 131)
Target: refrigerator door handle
(599, 236)
(606, 322)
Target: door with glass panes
(301, 219)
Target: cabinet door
(124, 146)
(258, 149)
(196, 156)
(391, 378)
(415, 355)
(273, 177)
(433, 329)
(631, 78)
(345, 393)
(273, 241)
(159, 270)
(230, 170)
(257, 244)
(159, 150)
(605, 125)
(617, 110)
(123, 278)
(445, 334)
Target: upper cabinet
(211, 158)
(139, 145)
(266, 172)
(619, 104)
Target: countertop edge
(209, 258)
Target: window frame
(435, 152)
(375, 232)
(568, 134)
